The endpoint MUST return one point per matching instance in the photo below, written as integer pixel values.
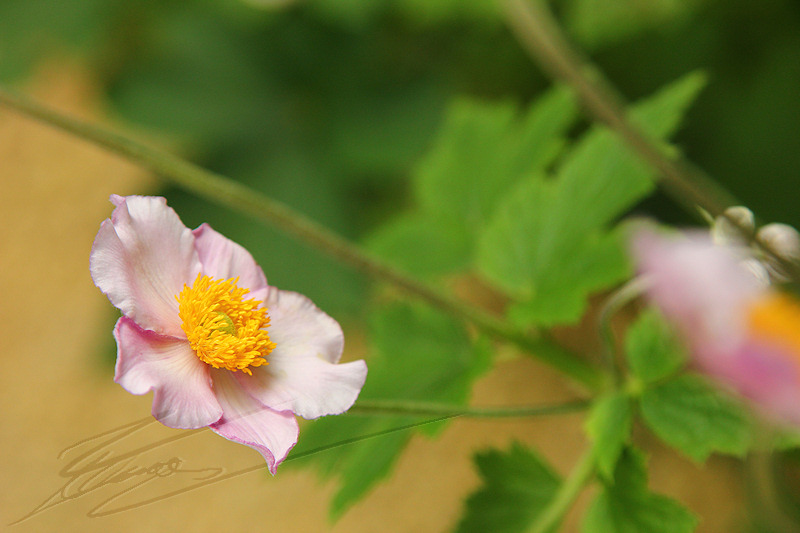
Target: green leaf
(609, 427)
(419, 355)
(517, 485)
(423, 245)
(602, 178)
(651, 348)
(599, 262)
(483, 149)
(548, 245)
(696, 418)
(627, 506)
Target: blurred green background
(328, 104)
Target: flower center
(776, 318)
(224, 329)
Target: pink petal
(302, 374)
(223, 259)
(141, 259)
(248, 422)
(767, 374)
(183, 397)
(300, 328)
(701, 287)
(309, 386)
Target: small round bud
(724, 231)
(783, 240)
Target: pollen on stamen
(224, 329)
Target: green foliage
(786, 439)
(627, 506)
(478, 11)
(696, 418)
(358, 12)
(517, 485)
(481, 151)
(548, 244)
(424, 244)
(609, 427)
(419, 355)
(31, 30)
(603, 22)
(652, 350)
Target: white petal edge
(222, 258)
(141, 258)
(182, 391)
(272, 433)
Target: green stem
(540, 35)
(408, 408)
(225, 191)
(619, 299)
(561, 503)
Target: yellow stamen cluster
(224, 329)
(776, 318)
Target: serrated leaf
(696, 418)
(627, 506)
(483, 149)
(517, 485)
(602, 178)
(651, 348)
(598, 263)
(547, 245)
(609, 427)
(421, 355)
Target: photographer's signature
(101, 467)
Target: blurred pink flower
(739, 329)
(217, 345)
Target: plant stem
(540, 35)
(566, 495)
(225, 191)
(619, 299)
(409, 408)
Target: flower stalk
(410, 408)
(554, 513)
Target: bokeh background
(325, 105)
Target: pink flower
(739, 330)
(217, 345)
